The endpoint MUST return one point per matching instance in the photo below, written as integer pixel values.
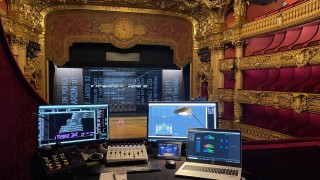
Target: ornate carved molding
(13, 39)
(299, 102)
(226, 95)
(204, 73)
(295, 16)
(294, 58)
(251, 132)
(33, 73)
(123, 30)
(226, 64)
(238, 43)
(7, 25)
(207, 13)
(218, 47)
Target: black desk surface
(164, 174)
(84, 173)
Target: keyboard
(143, 167)
(211, 170)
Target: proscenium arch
(178, 60)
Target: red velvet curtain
(18, 139)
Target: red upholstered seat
(291, 37)
(285, 116)
(273, 76)
(270, 113)
(252, 113)
(301, 75)
(298, 121)
(286, 74)
(277, 40)
(311, 128)
(253, 78)
(308, 32)
(309, 86)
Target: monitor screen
(214, 146)
(72, 124)
(171, 120)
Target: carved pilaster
(238, 43)
(238, 110)
(33, 73)
(204, 80)
(240, 10)
(218, 47)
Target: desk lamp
(186, 111)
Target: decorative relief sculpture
(204, 78)
(280, 20)
(294, 58)
(300, 102)
(303, 56)
(240, 8)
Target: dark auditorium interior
(256, 61)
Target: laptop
(212, 154)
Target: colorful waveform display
(210, 146)
(209, 137)
(208, 150)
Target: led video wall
(123, 89)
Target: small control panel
(126, 152)
(57, 161)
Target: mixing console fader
(126, 153)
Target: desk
(164, 174)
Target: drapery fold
(18, 126)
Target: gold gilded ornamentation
(33, 73)
(302, 57)
(297, 101)
(217, 47)
(293, 58)
(300, 102)
(226, 95)
(238, 43)
(295, 16)
(228, 35)
(106, 28)
(123, 29)
(279, 20)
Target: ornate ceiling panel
(205, 13)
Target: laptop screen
(213, 146)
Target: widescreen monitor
(171, 120)
(72, 124)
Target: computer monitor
(171, 120)
(72, 124)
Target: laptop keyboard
(211, 170)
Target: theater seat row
(304, 79)
(285, 121)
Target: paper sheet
(120, 174)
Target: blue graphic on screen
(220, 147)
(168, 150)
(164, 123)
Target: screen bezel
(169, 157)
(215, 124)
(94, 139)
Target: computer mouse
(170, 164)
